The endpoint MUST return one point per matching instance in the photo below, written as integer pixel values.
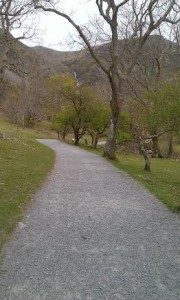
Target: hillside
(88, 71)
(44, 61)
(67, 62)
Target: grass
(177, 148)
(163, 180)
(24, 164)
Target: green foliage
(99, 113)
(69, 91)
(61, 121)
(162, 109)
(124, 131)
(80, 108)
(71, 118)
(62, 84)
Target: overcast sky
(56, 29)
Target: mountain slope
(46, 61)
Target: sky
(54, 30)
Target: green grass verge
(24, 164)
(177, 148)
(163, 180)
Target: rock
(21, 225)
(2, 136)
(145, 178)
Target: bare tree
(138, 20)
(156, 67)
(14, 20)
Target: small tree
(99, 114)
(76, 101)
(61, 123)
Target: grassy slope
(163, 180)
(22, 170)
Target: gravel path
(92, 233)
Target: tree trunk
(59, 136)
(145, 154)
(85, 140)
(76, 136)
(2, 86)
(116, 86)
(63, 135)
(147, 163)
(4, 61)
(92, 138)
(170, 149)
(110, 148)
(76, 142)
(155, 148)
(96, 140)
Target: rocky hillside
(44, 61)
(88, 71)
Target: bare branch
(80, 31)
(122, 4)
